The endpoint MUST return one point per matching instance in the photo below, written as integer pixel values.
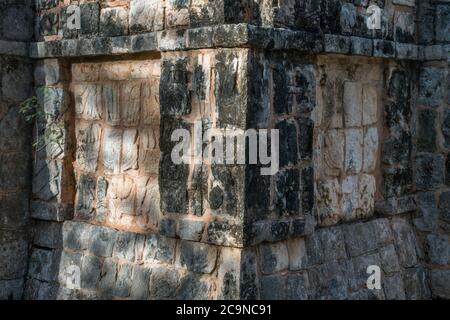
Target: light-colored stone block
(371, 152)
(370, 105)
(353, 150)
(352, 103)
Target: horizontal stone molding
(14, 48)
(237, 36)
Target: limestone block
(88, 146)
(328, 201)
(85, 72)
(146, 15)
(333, 151)
(111, 150)
(164, 283)
(297, 254)
(149, 150)
(367, 189)
(88, 101)
(159, 249)
(122, 196)
(404, 26)
(177, 13)
(405, 241)
(101, 205)
(198, 257)
(352, 102)
(147, 200)
(353, 150)
(113, 21)
(150, 102)
(371, 150)
(130, 150)
(274, 257)
(130, 94)
(85, 206)
(350, 196)
(370, 105)
(47, 179)
(111, 102)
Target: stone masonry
(100, 211)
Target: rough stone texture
(364, 150)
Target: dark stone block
(48, 24)
(257, 194)
(397, 150)
(447, 170)
(430, 86)
(124, 247)
(297, 287)
(16, 23)
(191, 230)
(168, 228)
(288, 151)
(273, 287)
(288, 192)
(192, 288)
(122, 286)
(446, 128)
(397, 181)
(429, 173)
(229, 97)
(443, 22)
(444, 209)
(113, 22)
(224, 233)
(90, 17)
(279, 230)
(280, 88)
(101, 241)
(426, 133)
(307, 187)
(91, 268)
(174, 93)
(164, 283)
(140, 283)
(306, 128)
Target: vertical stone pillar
(15, 145)
(53, 183)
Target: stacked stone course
(364, 122)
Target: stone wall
(363, 118)
(16, 83)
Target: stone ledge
(14, 48)
(236, 36)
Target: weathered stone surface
(393, 287)
(297, 254)
(273, 287)
(415, 283)
(438, 247)
(446, 128)
(113, 21)
(101, 241)
(430, 86)
(48, 234)
(140, 283)
(164, 283)
(405, 242)
(76, 235)
(442, 24)
(13, 255)
(190, 230)
(440, 281)
(389, 260)
(91, 268)
(360, 238)
(274, 257)
(325, 245)
(159, 249)
(124, 246)
(146, 15)
(429, 171)
(43, 265)
(198, 257)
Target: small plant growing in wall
(49, 124)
